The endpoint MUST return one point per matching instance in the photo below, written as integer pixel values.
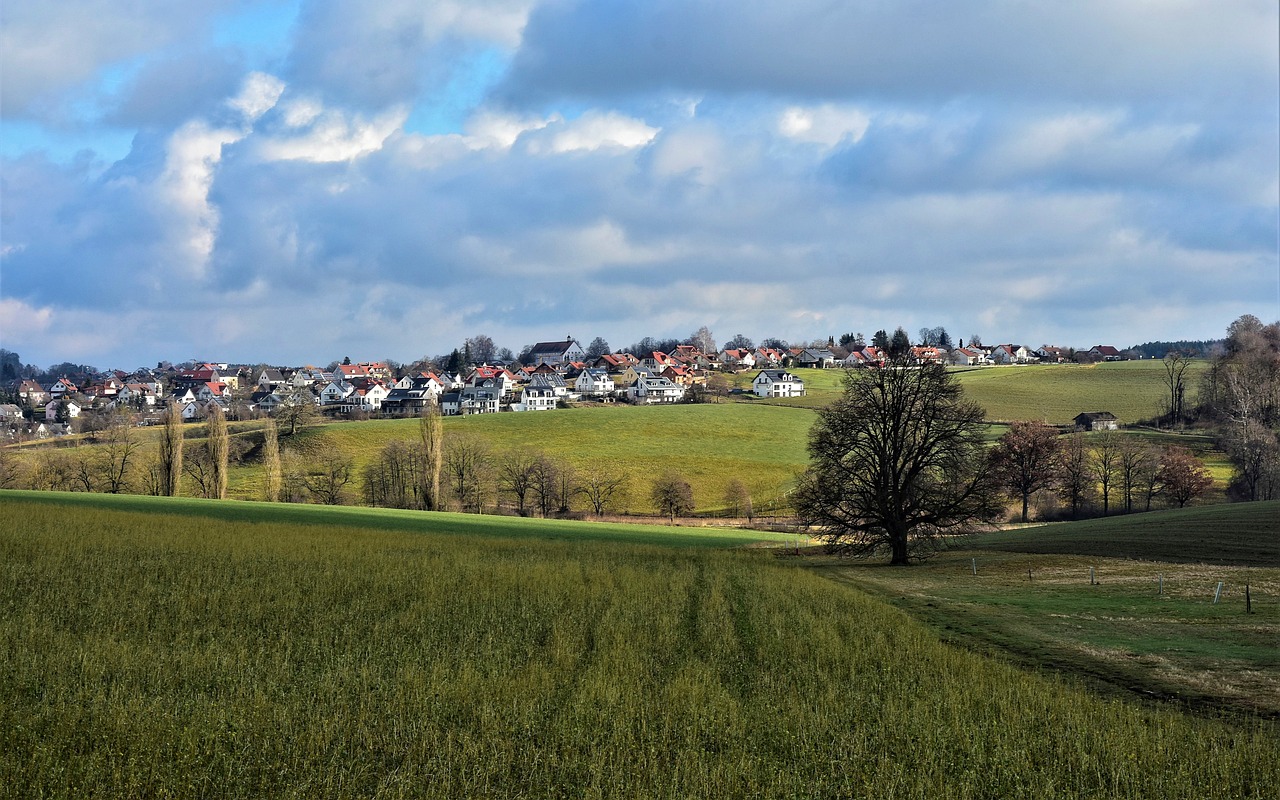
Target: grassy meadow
(149, 654)
(711, 445)
(1051, 393)
(1147, 624)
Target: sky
(298, 181)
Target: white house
(1011, 354)
(556, 353)
(655, 390)
(538, 395)
(965, 357)
(478, 401)
(737, 359)
(368, 398)
(777, 383)
(593, 382)
(335, 392)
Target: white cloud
(20, 320)
(488, 128)
(592, 131)
(697, 152)
(826, 124)
(331, 135)
(182, 192)
(258, 95)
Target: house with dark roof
(557, 353)
(1097, 421)
(1105, 352)
(777, 383)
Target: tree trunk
(1025, 500)
(898, 544)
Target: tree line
(429, 472)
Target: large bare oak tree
(897, 460)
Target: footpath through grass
(155, 655)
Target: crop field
(1128, 601)
(148, 654)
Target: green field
(148, 654)
(390, 519)
(1147, 625)
(710, 445)
(1132, 390)
(1052, 393)
(759, 442)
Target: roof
(547, 348)
(777, 375)
(1096, 415)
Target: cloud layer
(1026, 171)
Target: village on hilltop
(548, 376)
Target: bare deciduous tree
(603, 485)
(516, 474)
(271, 468)
(466, 462)
(218, 445)
(1075, 484)
(116, 453)
(1136, 457)
(737, 500)
(1182, 476)
(1104, 463)
(1026, 460)
(672, 495)
(297, 409)
(10, 471)
(896, 460)
(431, 437)
(170, 466)
(328, 478)
(1176, 365)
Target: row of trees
(900, 459)
(1238, 400)
(1081, 469)
(427, 473)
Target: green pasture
(1239, 534)
(1056, 393)
(1128, 601)
(711, 445)
(399, 520)
(148, 654)
(1052, 393)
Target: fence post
(1161, 583)
(1092, 582)
(975, 566)
(1248, 604)
(1217, 593)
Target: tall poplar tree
(218, 445)
(271, 462)
(171, 451)
(431, 433)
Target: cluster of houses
(559, 372)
